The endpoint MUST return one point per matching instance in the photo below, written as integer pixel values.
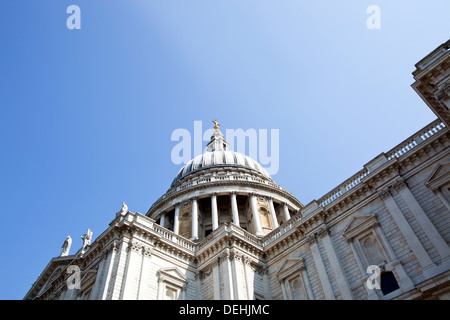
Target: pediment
(51, 272)
(290, 266)
(439, 177)
(173, 273)
(359, 223)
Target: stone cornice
(431, 80)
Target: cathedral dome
(219, 158)
(222, 186)
(218, 155)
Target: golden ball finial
(216, 125)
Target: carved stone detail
(399, 184)
(311, 239)
(323, 231)
(384, 193)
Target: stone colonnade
(252, 204)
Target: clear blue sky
(87, 115)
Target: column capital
(199, 275)
(236, 256)
(213, 194)
(323, 231)
(226, 255)
(232, 193)
(311, 239)
(384, 193)
(215, 262)
(247, 261)
(135, 246)
(147, 251)
(399, 184)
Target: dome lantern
(217, 142)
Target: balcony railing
(396, 152)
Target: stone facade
(226, 230)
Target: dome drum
(195, 216)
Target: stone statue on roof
(87, 237)
(66, 247)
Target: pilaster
(320, 267)
(421, 217)
(340, 277)
(428, 267)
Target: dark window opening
(388, 282)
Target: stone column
(266, 280)
(215, 265)
(176, 219)
(117, 278)
(111, 254)
(286, 212)
(421, 217)
(248, 277)
(320, 267)
(228, 288)
(198, 284)
(131, 282)
(144, 293)
(421, 254)
(273, 214)
(162, 221)
(234, 209)
(99, 278)
(194, 221)
(341, 279)
(255, 213)
(214, 214)
(239, 279)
